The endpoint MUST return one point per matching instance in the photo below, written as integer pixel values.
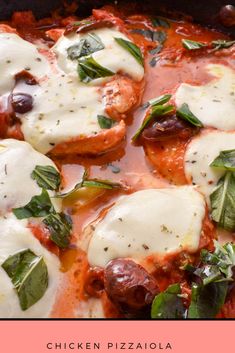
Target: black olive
(227, 15)
(130, 287)
(167, 128)
(22, 102)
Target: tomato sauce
(135, 166)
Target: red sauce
(173, 66)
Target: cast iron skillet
(206, 12)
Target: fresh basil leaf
(207, 300)
(76, 187)
(168, 304)
(101, 184)
(47, 177)
(208, 274)
(215, 271)
(154, 36)
(81, 23)
(38, 206)
(29, 276)
(216, 266)
(70, 192)
(222, 43)
(89, 69)
(160, 22)
(157, 101)
(158, 110)
(225, 160)
(185, 113)
(104, 122)
(132, 48)
(189, 268)
(223, 258)
(192, 45)
(223, 202)
(160, 100)
(91, 183)
(85, 47)
(60, 226)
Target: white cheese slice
(62, 109)
(14, 237)
(152, 221)
(200, 152)
(17, 161)
(214, 103)
(113, 56)
(17, 54)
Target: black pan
(206, 12)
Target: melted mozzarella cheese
(17, 161)
(112, 57)
(153, 221)
(14, 237)
(200, 152)
(63, 109)
(17, 55)
(214, 103)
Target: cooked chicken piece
(120, 96)
(93, 144)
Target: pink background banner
(117, 336)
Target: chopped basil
(160, 22)
(168, 304)
(132, 48)
(207, 300)
(215, 272)
(147, 33)
(153, 61)
(89, 69)
(85, 47)
(225, 160)
(29, 276)
(208, 274)
(223, 202)
(222, 43)
(223, 258)
(209, 291)
(60, 226)
(46, 177)
(213, 276)
(192, 45)
(104, 122)
(39, 206)
(115, 169)
(159, 36)
(185, 113)
(156, 50)
(157, 110)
